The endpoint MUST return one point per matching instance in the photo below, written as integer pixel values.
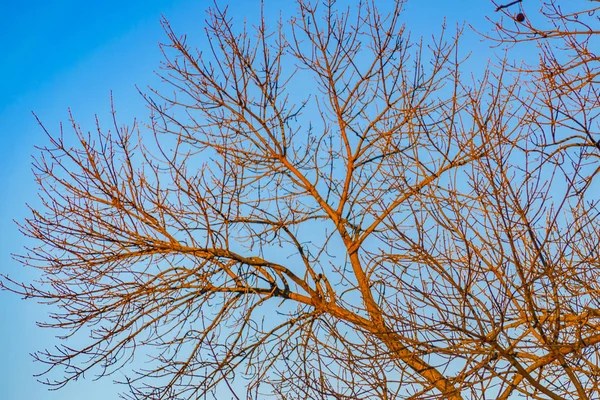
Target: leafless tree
(325, 208)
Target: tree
(326, 209)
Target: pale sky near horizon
(71, 54)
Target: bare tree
(561, 103)
(325, 208)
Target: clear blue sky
(62, 54)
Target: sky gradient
(72, 55)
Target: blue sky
(72, 54)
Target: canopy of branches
(323, 207)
